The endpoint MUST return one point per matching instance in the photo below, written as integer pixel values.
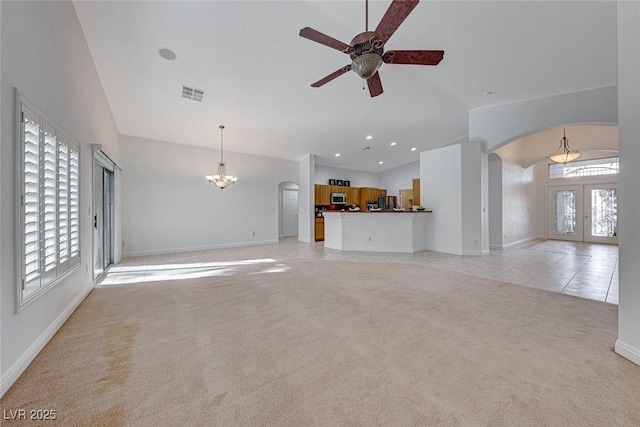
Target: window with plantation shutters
(49, 177)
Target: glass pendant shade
(366, 64)
(221, 180)
(564, 153)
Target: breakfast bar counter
(383, 231)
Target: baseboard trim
(627, 351)
(476, 253)
(522, 242)
(14, 372)
(198, 248)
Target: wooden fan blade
(393, 17)
(375, 85)
(318, 37)
(332, 76)
(417, 57)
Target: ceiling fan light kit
(366, 65)
(367, 49)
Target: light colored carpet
(333, 343)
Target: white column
(306, 201)
(628, 343)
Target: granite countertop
(374, 212)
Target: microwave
(338, 198)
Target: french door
(583, 213)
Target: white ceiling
(257, 71)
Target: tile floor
(581, 269)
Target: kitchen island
(383, 231)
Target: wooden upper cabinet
(353, 196)
(407, 199)
(317, 195)
(325, 195)
(416, 191)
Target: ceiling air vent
(192, 93)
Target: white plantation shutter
(49, 176)
(31, 200)
(74, 204)
(63, 203)
(49, 203)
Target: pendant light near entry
(222, 180)
(564, 153)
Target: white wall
(441, 174)
(628, 343)
(323, 173)
(400, 178)
(522, 205)
(170, 207)
(44, 55)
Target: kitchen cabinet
(319, 234)
(353, 196)
(366, 194)
(407, 199)
(339, 189)
(325, 195)
(370, 194)
(416, 191)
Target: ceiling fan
(367, 49)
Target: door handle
(95, 221)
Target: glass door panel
(601, 213)
(564, 218)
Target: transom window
(605, 166)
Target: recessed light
(488, 93)
(413, 149)
(380, 163)
(167, 54)
(393, 143)
(337, 154)
(369, 137)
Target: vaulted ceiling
(256, 71)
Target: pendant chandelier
(222, 180)
(564, 153)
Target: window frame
(578, 162)
(61, 272)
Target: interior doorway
(288, 210)
(103, 214)
(583, 213)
